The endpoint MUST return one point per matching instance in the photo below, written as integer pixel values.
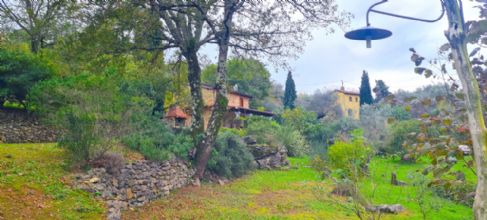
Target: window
(350, 112)
(356, 99)
(241, 102)
(179, 122)
(350, 98)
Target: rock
(221, 182)
(196, 182)
(392, 209)
(94, 180)
(268, 157)
(249, 140)
(130, 194)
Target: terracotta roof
(176, 112)
(347, 92)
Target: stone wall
(136, 184)
(17, 126)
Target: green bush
(87, 109)
(350, 158)
(230, 157)
(397, 134)
(294, 142)
(153, 139)
(19, 72)
(263, 130)
(269, 132)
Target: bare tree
(38, 18)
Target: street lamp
(369, 33)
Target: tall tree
(381, 90)
(365, 91)
(38, 18)
(290, 92)
(276, 31)
(457, 37)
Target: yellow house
(349, 103)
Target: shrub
(87, 109)
(19, 72)
(112, 162)
(263, 130)
(294, 142)
(350, 158)
(269, 132)
(230, 157)
(397, 134)
(153, 139)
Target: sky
(329, 59)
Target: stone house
(238, 105)
(349, 102)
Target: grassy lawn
(297, 193)
(32, 185)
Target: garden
(112, 110)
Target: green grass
(33, 176)
(380, 191)
(298, 193)
(32, 185)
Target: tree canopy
(290, 92)
(365, 91)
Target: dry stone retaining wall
(136, 184)
(17, 126)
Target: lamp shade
(368, 33)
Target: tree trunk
(221, 102)
(194, 79)
(456, 36)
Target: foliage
(19, 72)
(365, 92)
(381, 90)
(263, 130)
(87, 108)
(230, 157)
(376, 119)
(323, 103)
(349, 157)
(289, 92)
(439, 137)
(397, 134)
(269, 132)
(153, 139)
(248, 76)
(299, 119)
(294, 142)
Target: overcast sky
(328, 59)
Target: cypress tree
(289, 92)
(365, 92)
(381, 90)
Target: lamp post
(456, 34)
(369, 33)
